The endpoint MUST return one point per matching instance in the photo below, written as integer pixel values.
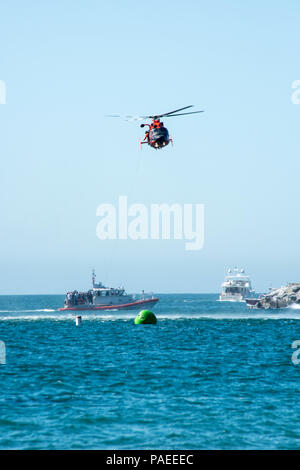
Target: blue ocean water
(209, 375)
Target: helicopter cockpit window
(161, 132)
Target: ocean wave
(32, 317)
(294, 306)
(32, 310)
(263, 315)
(67, 317)
(238, 316)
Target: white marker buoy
(78, 320)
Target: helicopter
(157, 135)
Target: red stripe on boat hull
(129, 306)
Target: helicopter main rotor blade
(126, 118)
(133, 118)
(166, 114)
(156, 116)
(176, 110)
(184, 114)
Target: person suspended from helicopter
(147, 136)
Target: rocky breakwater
(281, 298)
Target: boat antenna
(93, 278)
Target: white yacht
(236, 287)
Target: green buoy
(145, 317)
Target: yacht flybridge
(236, 287)
(106, 298)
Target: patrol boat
(236, 287)
(106, 298)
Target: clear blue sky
(68, 63)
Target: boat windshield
(233, 290)
(108, 292)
